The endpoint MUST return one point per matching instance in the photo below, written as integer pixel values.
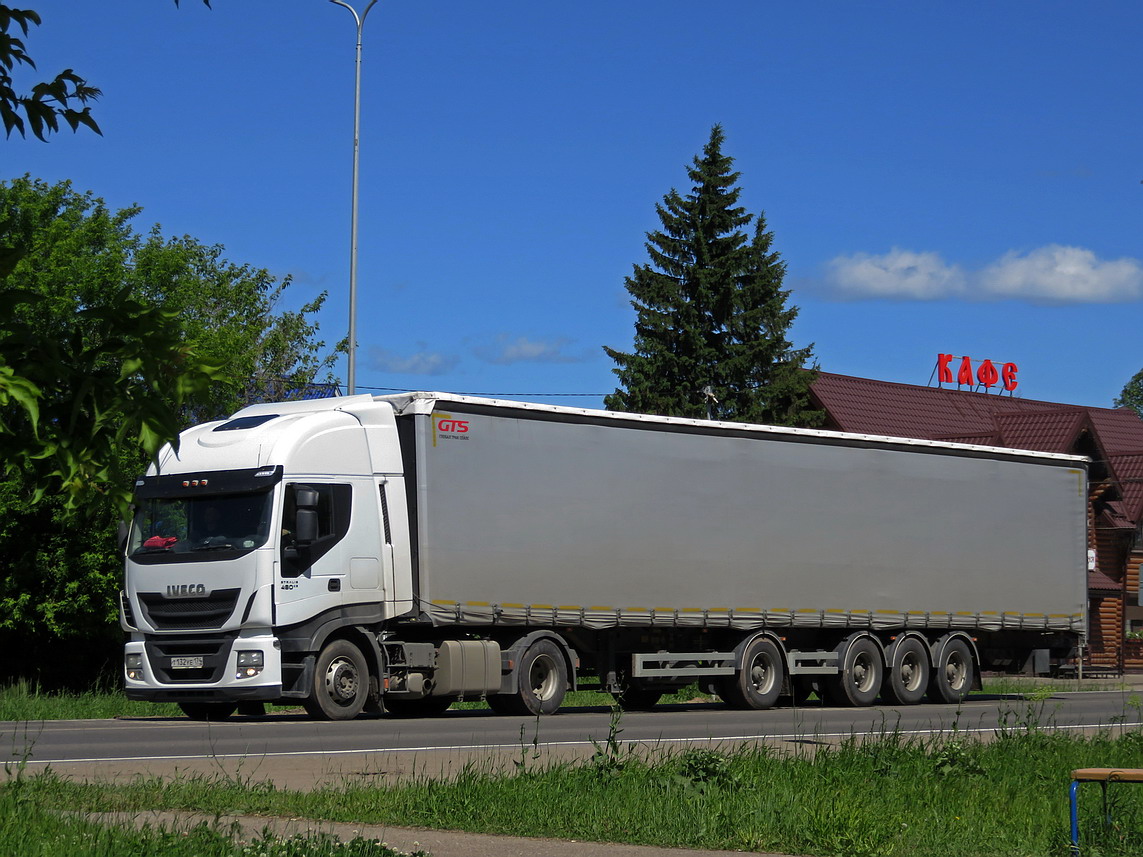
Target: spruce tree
(711, 312)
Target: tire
(953, 674)
(758, 684)
(208, 711)
(543, 681)
(340, 684)
(909, 673)
(859, 681)
(427, 706)
(635, 698)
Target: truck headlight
(134, 667)
(250, 663)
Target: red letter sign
(964, 374)
(1009, 376)
(944, 373)
(986, 374)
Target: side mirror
(121, 535)
(306, 517)
(306, 529)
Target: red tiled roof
(867, 406)
(1044, 431)
(1128, 471)
(1100, 582)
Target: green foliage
(110, 342)
(1132, 394)
(63, 97)
(711, 312)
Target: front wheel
(340, 684)
(758, 684)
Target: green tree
(65, 96)
(1131, 396)
(40, 110)
(711, 312)
(110, 341)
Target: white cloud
(421, 363)
(896, 274)
(1063, 275)
(1050, 274)
(521, 349)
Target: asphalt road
(298, 753)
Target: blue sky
(940, 177)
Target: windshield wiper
(215, 547)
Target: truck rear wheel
(908, 677)
(543, 681)
(758, 684)
(340, 684)
(859, 681)
(952, 676)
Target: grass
(24, 701)
(872, 796)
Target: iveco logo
(185, 590)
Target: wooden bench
(1103, 776)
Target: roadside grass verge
(31, 827)
(25, 701)
(879, 795)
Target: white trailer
(408, 551)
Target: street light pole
(351, 379)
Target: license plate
(186, 663)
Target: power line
(492, 395)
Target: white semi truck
(403, 552)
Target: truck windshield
(190, 527)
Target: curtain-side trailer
(408, 551)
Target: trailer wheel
(859, 681)
(428, 706)
(340, 683)
(952, 676)
(909, 673)
(208, 711)
(759, 683)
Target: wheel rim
(761, 675)
(341, 681)
(543, 677)
(956, 671)
(911, 671)
(863, 672)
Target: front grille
(192, 614)
(214, 653)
